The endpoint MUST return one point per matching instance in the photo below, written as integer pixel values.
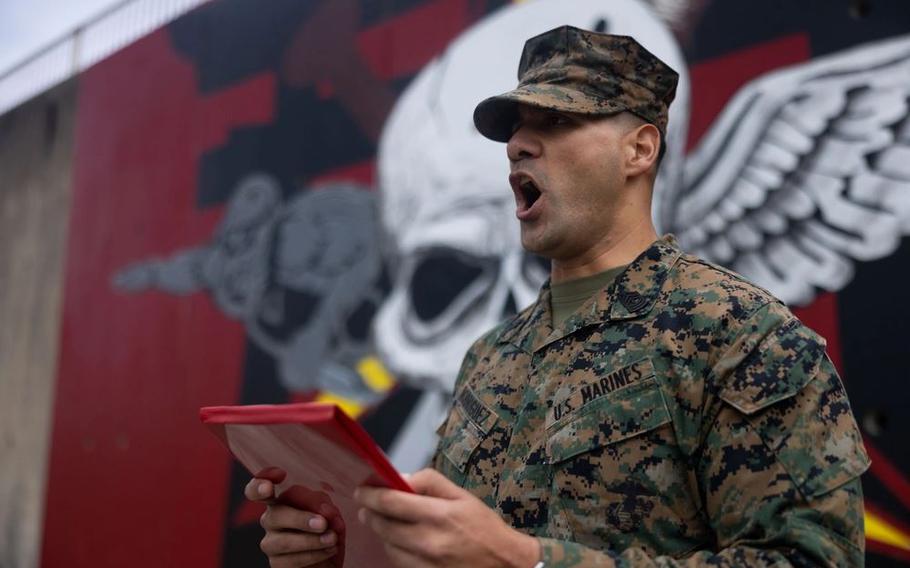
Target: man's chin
(536, 244)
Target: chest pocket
(608, 419)
(612, 459)
(469, 424)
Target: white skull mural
(445, 197)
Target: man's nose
(523, 145)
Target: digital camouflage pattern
(681, 417)
(575, 70)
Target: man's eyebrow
(530, 115)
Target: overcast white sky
(28, 25)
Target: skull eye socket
(440, 277)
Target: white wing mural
(806, 171)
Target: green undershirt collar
(567, 297)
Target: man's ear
(643, 149)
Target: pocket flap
(776, 369)
(622, 414)
(470, 422)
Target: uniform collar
(631, 295)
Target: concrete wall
(35, 178)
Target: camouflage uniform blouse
(682, 417)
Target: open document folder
(316, 456)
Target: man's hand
(293, 538)
(443, 526)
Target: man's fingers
(402, 535)
(284, 517)
(399, 505)
(259, 490)
(434, 484)
(311, 558)
(403, 557)
(281, 543)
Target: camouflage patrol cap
(575, 70)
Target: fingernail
(263, 489)
(362, 516)
(317, 523)
(327, 538)
(357, 493)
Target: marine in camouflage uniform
(682, 416)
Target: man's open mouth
(529, 192)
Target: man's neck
(610, 252)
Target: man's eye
(557, 120)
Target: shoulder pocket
(469, 424)
(614, 417)
(774, 370)
(790, 394)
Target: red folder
(316, 456)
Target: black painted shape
(384, 421)
(230, 40)
(310, 135)
(298, 309)
(377, 11)
(440, 277)
(726, 27)
(874, 317)
(359, 323)
(241, 547)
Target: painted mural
(288, 201)
(319, 248)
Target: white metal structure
(109, 31)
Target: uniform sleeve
(778, 466)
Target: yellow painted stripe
(375, 374)
(351, 407)
(879, 530)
